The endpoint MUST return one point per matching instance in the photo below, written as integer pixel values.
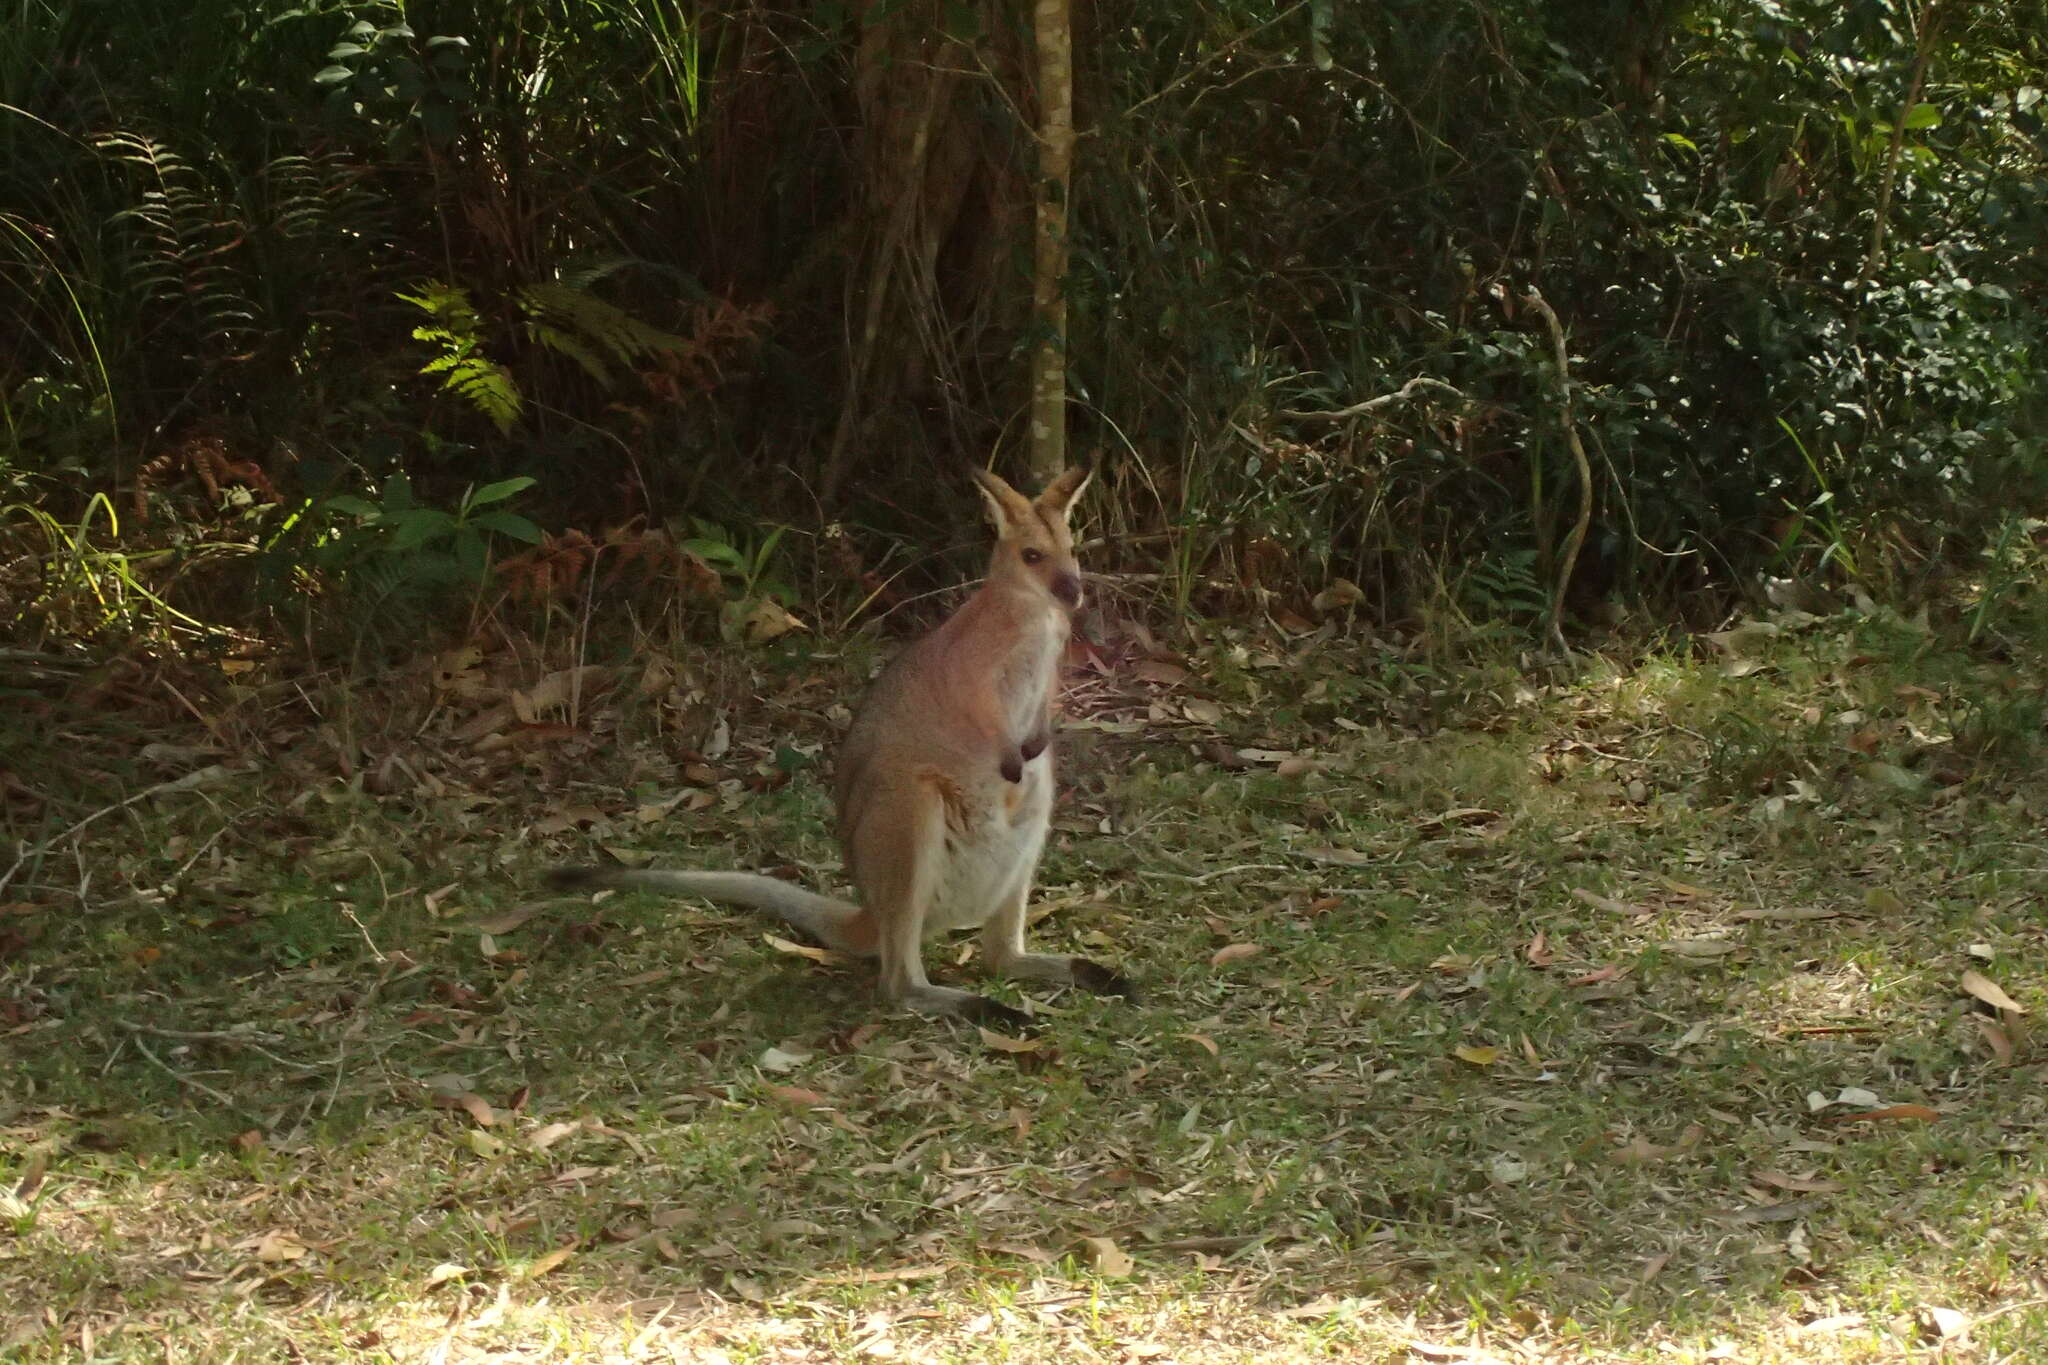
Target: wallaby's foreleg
(1002, 947)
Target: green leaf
(509, 524)
(340, 50)
(715, 552)
(350, 505)
(499, 491)
(1923, 116)
(333, 75)
(470, 553)
(418, 526)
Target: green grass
(1449, 1100)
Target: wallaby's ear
(1004, 503)
(1063, 492)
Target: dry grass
(1539, 1035)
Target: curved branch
(1372, 405)
(1577, 539)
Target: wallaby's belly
(993, 838)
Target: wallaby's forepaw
(1013, 766)
(1093, 976)
(1035, 745)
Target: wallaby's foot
(1060, 970)
(1013, 766)
(995, 1015)
(1035, 745)
(1101, 980)
(975, 1009)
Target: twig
(1406, 391)
(191, 781)
(1930, 20)
(1219, 872)
(215, 1036)
(201, 1086)
(1577, 538)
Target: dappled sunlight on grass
(1559, 1025)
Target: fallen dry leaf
(1918, 1112)
(1106, 1257)
(1943, 1324)
(781, 1059)
(1476, 1056)
(1338, 857)
(1232, 952)
(1790, 912)
(1985, 989)
(511, 919)
(545, 1137)
(550, 1261)
(1002, 1042)
(1608, 903)
(1205, 1041)
(1700, 948)
(1798, 1184)
(1160, 672)
(824, 955)
(274, 1247)
(475, 1105)
(1997, 1039)
(795, 1094)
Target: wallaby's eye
(1034, 556)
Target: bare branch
(1574, 542)
(1372, 405)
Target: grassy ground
(1621, 1016)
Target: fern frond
(564, 318)
(456, 331)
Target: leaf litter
(1323, 1060)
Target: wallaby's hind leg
(900, 855)
(1002, 947)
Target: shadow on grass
(1583, 1029)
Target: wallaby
(944, 785)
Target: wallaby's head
(1034, 547)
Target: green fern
(187, 236)
(564, 318)
(457, 331)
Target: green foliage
(748, 566)
(72, 580)
(431, 546)
(567, 319)
(456, 333)
(1800, 251)
(393, 81)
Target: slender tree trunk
(1053, 24)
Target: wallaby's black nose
(1067, 587)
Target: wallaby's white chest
(994, 835)
(1026, 678)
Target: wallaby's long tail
(832, 922)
